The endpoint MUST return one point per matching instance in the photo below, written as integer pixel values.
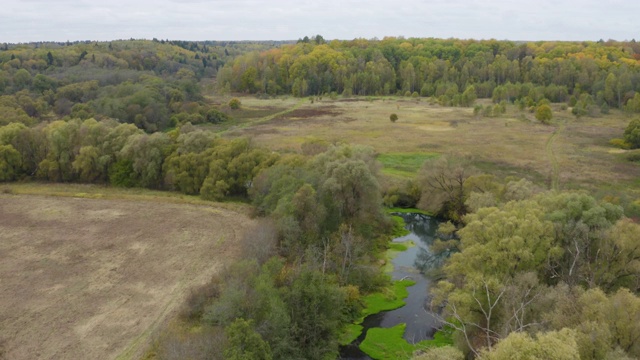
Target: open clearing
(88, 278)
(570, 153)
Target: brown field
(85, 278)
(570, 153)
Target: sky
(62, 20)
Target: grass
(399, 247)
(398, 226)
(350, 334)
(92, 191)
(514, 144)
(389, 299)
(394, 249)
(404, 165)
(388, 343)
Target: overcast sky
(61, 20)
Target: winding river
(421, 324)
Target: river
(421, 324)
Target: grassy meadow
(570, 153)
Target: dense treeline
(587, 73)
(326, 218)
(549, 275)
(305, 268)
(188, 160)
(152, 84)
(528, 269)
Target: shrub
(620, 143)
(235, 103)
(393, 117)
(216, 116)
(544, 113)
(632, 133)
(633, 156)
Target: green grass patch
(404, 164)
(388, 299)
(393, 251)
(396, 246)
(442, 337)
(398, 226)
(387, 343)
(350, 333)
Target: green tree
(468, 96)
(235, 103)
(443, 186)
(42, 83)
(245, 343)
(316, 306)
(146, 154)
(10, 163)
(62, 141)
(632, 133)
(544, 113)
(560, 345)
(610, 95)
(22, 79)
(248, 80)
(88, 164)
(352, 189)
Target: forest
(522, 268)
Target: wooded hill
(152, 84)
(606, 73)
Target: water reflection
(413, 263)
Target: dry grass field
(569, 153)
(84, 278)
(91, 273)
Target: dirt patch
(89, 278)
(435, 128)
(307, 113)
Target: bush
(620, 143)
(632, 133)
(544, 113)
(633, 156)
(235, 103)
(198, 299)
(393, 117)
(216, 116)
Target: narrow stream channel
(421, 324)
